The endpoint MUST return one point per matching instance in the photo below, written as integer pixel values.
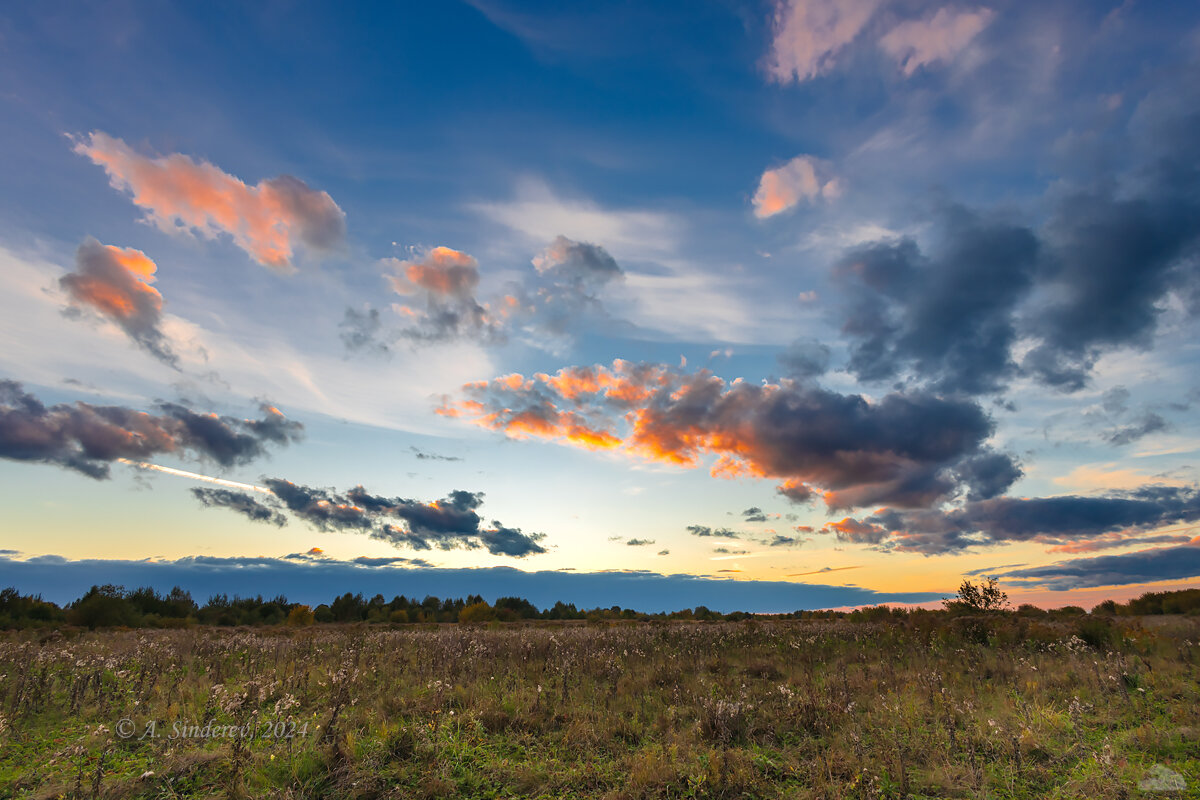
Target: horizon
(785, 302)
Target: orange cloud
(115, 283)
(441, 271)
(267, 220)
(859, 453)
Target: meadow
(928, 705)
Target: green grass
(998, 707)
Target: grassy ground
(940, 707)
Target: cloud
(948, 315)
(317, 581)
(447, 524)
(442, 283)
(362, 332)
(573, 276)
(639, 542)
(941, 37)
(424, 456)
(907, 449)
(561, 294)
(851, 530)
(1143, 566)
(783, 188)
(705, 531)
(268, 220)
(1073, 521)
(242, 503)
(116, 283)
(805, 359)
(1148, 423)
(1117, 249)
(754, 514)
(1111, 541)
(810, 35)
(796, 491)
(87, 438)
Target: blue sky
(870, 295)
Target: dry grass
(939, 707)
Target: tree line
(114, 606)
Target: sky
(758, 305)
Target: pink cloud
(782, 188)
(943, 36)
(267, 220)
(811, 34)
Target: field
(997, 707)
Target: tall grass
(935, 707)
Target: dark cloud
(705, 531)
(1148, 423)
(1093, 279)
(240, 502)
(796, 492)
(116, 283)
(988, 474)
(754, 514)
(639, 542)
(804, 359)
(908, 449)
(779, 540)
(1144, 566)
(856, 532)
(385, 561)
(424, 456)
(446, 524)
(86, 438)
(664, 552)
(948, 315)
(1069, 521)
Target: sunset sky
(761, 305)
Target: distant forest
(114, 606)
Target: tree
(300, 616)
(985, 598)
(476, 612)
